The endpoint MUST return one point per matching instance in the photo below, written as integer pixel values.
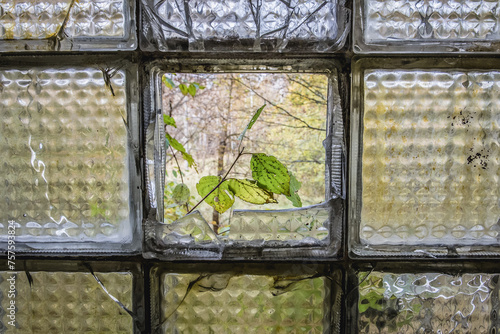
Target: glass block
(68, 164)
(426, 159)
(426, 26)
(427, 302)
(214, 118)
(67, 302)
(238, 25)
(230, 302)
(67, 25)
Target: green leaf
(174, 172)
(252, 122)
(221, 198)
(295, 199)
(168, 82)
(189, 158)
(179, 147)
(174, 143)
(192, 90)
(198, 85)
(255, 117)
(181, 194)
(294, 188)
(270, 174)
(249, 191)
(184, 89)
(169, 121)
(294, 183)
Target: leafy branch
(181, 193)
(270, 177)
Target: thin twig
(180, 173)
(240, 153)
(279, 107)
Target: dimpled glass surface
(431, 157)
(67, 302)
(241, 304)
(431, 20)
(290, 225)
(63, 155)
(241, 23)
(43, 19)
(428, 303)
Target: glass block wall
(384, 115)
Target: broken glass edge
(186, 246)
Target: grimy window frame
(349, 265)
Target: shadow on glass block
(245, 298)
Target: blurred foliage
(291, 130)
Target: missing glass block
(249, 157)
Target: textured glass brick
(282, 225)
(430, 158)
(430, 26)
(428, 302)
(67, 302)
(66, 25)
(240, 25)
(64, 156)
(226, 303)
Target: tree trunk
(221, 150)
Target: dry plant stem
(240, 153)
(180, 173)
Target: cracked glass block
(240, 25)
(229, 302)
(67, 165)
(427, 302)
(287, 225)
(426, 26)
(426, 157)
(66, 302)
(301, 126)
(67, 25)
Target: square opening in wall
(244, 159)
